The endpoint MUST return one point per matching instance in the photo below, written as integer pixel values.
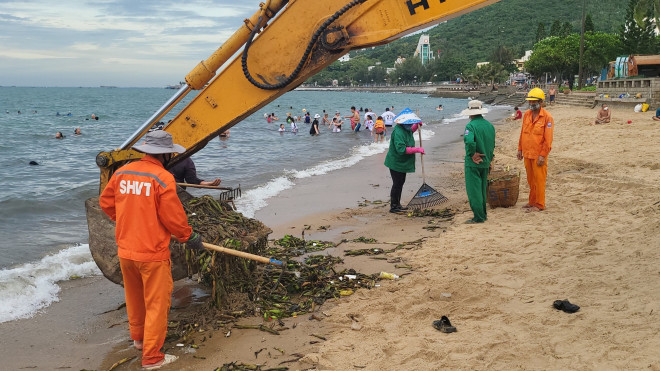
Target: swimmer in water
(439, 107)
(77, 131)
(59, 135)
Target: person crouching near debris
(534, 146)
(479, 142)
(400, 160)
(141, 197)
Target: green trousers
(476, 182)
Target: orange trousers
(148, 290)
(536, 176)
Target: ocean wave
(27, 288)
(454, 118)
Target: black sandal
(566, 306)
(443, 325)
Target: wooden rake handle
(421, 156)
(242, 254)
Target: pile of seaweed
(219, 224)
(239, 284)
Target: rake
(426, 196)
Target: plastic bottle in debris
(388, 276)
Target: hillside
(512, 23)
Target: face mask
(407, 127)
(535, 106)
(606, 108)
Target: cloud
(95, 35)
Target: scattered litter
(388, 276)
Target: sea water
(43, 230)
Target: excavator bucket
(104, 248)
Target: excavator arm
(303, 37)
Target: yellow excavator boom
(277, 57)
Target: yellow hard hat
(535, 94)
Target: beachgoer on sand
(603, 116)
(479, 139)
(657, 115)
(141, 197)
(534, 146)
(400, 159)
(552, 93)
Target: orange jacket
(536, 137)
(141, 198)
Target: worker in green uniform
(400, 160)
(479, 141)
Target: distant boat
(177, 86)
(108, 86)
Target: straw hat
(475, 107)
(158, 142)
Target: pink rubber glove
(411, 150)
(415, 127)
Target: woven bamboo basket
(503, 187)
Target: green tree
(559, 56)
(638, 37)
(555, 29)
(566, 29)
(540, 32)
(589, 24)
(503, 56)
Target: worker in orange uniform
(141, 197)
(534, 146)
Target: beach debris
(256, 354)
(234, 366)
(258, 327)
(446, 214)
(323, 227)
(120, 362)
(444, 325)
(566, 306)
(356, 326)
(388, 276)
(319, 336)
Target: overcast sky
(144, 43)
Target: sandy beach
(596, 244)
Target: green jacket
(396, 158)
(479, 137)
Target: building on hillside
(479, 64)
(399, 60)
(423, 51)
(389, 70)
(520, 63)
(345, 58)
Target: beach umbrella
(407, 116)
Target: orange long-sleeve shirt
(141, 197)
(536, 135)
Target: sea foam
(27, 288)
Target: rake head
(426, 197)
